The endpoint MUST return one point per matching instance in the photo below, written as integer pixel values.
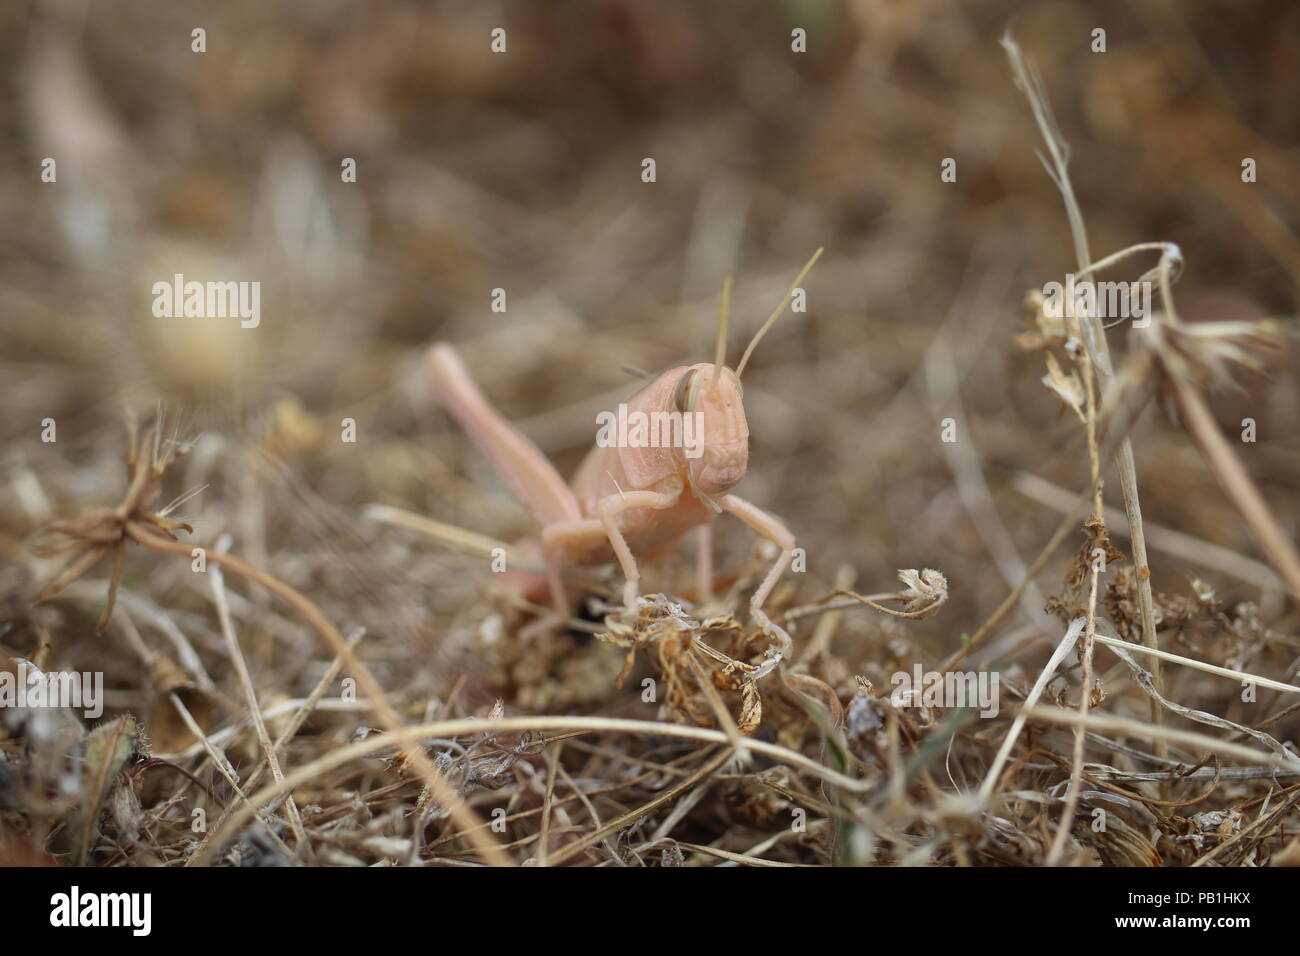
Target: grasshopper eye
(684, 394)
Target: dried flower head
(104, 531)
(1211, 353)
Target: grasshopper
(635, 501)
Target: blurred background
(522, 171)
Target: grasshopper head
(710, 395)
(717, 458)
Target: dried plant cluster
(307, 656)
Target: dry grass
(454, 724)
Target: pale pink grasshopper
(628, 501)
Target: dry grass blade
(1239, 486)
(1228, 672)
(250, 693)
(1183, 738)
(994, 774)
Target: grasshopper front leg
(771, 528)
(575, 535)
(617, 504)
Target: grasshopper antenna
(724, 310)
(776, 313)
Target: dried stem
(1095, 339)
(1238, 485)
(1090, 627)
